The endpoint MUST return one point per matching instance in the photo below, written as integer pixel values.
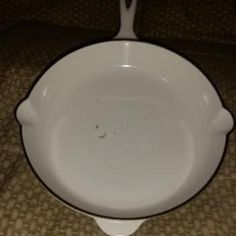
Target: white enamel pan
(123, 130)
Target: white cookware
(123, 130)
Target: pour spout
(26, 113)
(223, 121)
(127, 20)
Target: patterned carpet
(197, 20)
(27, 209)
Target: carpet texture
(27, 209)
(197, 20)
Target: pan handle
(118, 227)
(127, 20)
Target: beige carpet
(26, 208)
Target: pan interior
(123, 129)
(123, 142)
